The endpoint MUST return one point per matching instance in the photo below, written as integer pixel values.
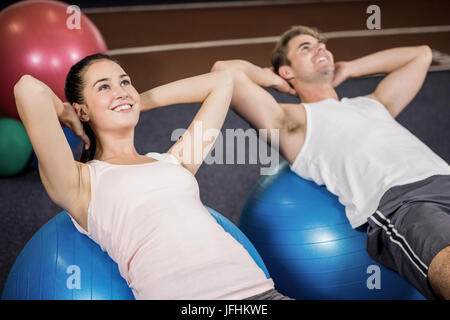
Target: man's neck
(315, 92)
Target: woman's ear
(81, 111)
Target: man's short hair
(279, 53)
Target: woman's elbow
(426, 53)
(27, 84)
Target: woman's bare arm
(39, 109)
(214, 91)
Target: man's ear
(81, 111)
(286, 73)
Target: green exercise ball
(15, 147)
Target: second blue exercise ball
(302, 233)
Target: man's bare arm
(250, 100)
(406, 68)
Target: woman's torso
(149, 218)
(80, 210)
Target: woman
(144, 210)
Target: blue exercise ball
(302, 233)
(59, 263)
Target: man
(382, 174)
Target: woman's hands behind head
(70, 118)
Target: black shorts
(410, 226)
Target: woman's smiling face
(111, 100)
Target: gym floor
(160, 43)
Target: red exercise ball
(43, 39)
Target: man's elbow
(221, 65)
(231, 68)
(218, 66)
(230, 65)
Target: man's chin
(327, 74)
